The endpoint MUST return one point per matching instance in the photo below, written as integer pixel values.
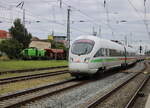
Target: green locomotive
(33, 53)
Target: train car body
(57, 54)
(89, 54)
(33, 53)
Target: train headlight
(87, 59)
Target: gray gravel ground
(120, 98)
(141, 101)
(73, 97)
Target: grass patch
(21, 64)
(13, 87)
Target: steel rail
(28, 70)
(33, 76)
(27, 92)
(105, 96)
(135, 96)
(13, 97)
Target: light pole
(68, 30)
(68, 26)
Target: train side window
(99, 53)
(127, 53)
(112, 52)
(133, 54)
(26, 52)
(124, 53)
(117, 53)
(121, 53)
(107, 52)
(103, 52)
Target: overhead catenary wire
(145, 19)
(32, 17)
(107, 15)
(91, 19)
(63, 25)
(85, 15)
(140, 16)
(13, 11)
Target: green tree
(11, 47)
(53, 43)
(57, 45)
(20, 33)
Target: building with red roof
(4, 34)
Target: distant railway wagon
(34, 53)
(55, 53)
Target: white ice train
(88, 54)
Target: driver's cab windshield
(82, 46)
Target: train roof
(106, 43)
(103, 42)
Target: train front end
(80, 55)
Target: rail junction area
(115, 88)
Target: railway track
(135, 96)
(45, 101)
(96, 101)
(30, 95)
(29, 70)
(33, 76)
(19, 98)
(99, 100)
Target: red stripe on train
(126, 58)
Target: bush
(11, 47)
(0, 53)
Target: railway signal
(141, 49)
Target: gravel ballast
(120, 98)
(141, 100)
(79, 95)
(71, 97)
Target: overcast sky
(117, 18)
